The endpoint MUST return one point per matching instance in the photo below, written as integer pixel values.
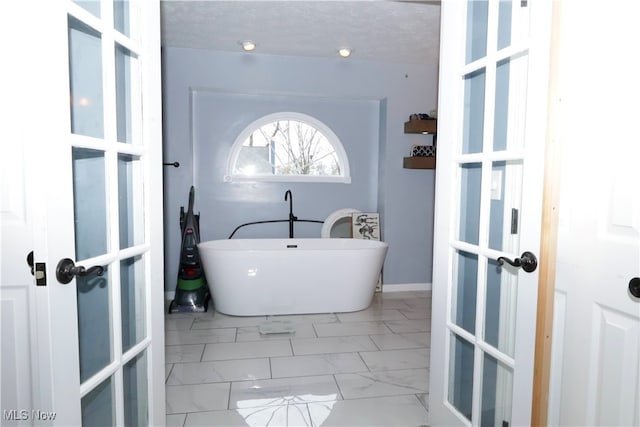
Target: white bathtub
(251, 277)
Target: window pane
(92, 6)
(464, 295)
(126, 79)
(470, 180)
(477, 15)
(500, 307)
(130, 201)
(461, 375)
(504, 23)
(288, 148)
(94, 329)
(509, 112)
(505, 206)
(473, 120)
(97, 406)
(121, 16)
(134, 375)
(501, 116)
(132, 293)
(85, 80)
(497, 386)
(89, 203)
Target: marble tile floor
(367, 368)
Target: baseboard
(387, 287)
(404, 287)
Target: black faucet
(288, 196)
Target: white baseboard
(386, 287)
(403, 287)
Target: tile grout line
(166, 380)
(229, 396)
(335, 380)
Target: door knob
(67, 270)
(30, 261)
(634, 287)
(527, 261)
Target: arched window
(288, 147)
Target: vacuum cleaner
(192, 292)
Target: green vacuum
(192, 291)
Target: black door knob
(634, 287)
(67, 270)
(30, 261)
(527, 261)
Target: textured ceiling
(391, 31)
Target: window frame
(332, 138)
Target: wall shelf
(429, 126)
(421, 126)
(419, 162)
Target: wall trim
(387, 287)
(403, 287)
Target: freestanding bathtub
(252, 277)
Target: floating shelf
(419, 162)
(421, 126)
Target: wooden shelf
(421, 126)
(429, 126)
(419, 162)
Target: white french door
(94, 154)
(491, 133)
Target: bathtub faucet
(288, 196)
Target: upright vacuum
(192, 292)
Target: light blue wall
(218, 118)
(209, 97)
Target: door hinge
(505, 423)
(514, 221)
(524, 3)
(41, 274)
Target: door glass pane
(497, 386)
(470, 186)
(134, 375)
(97, 406)
(509, 112)
(460, 393)
(85, 80)
(126, 77)
(121, 16)
(130, 199)
(464, 295)
(477, 15)
(132, 290)
(504, 23)
(89, 203)
(94, 329)
(500, 307)
(473, 115)
(92, 6)
(500, 136)
(505, 206)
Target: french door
(492, 108)
(91, 73)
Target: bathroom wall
(209, 97)
(219, 117)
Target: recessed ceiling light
(248, 45)
(344, 52)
